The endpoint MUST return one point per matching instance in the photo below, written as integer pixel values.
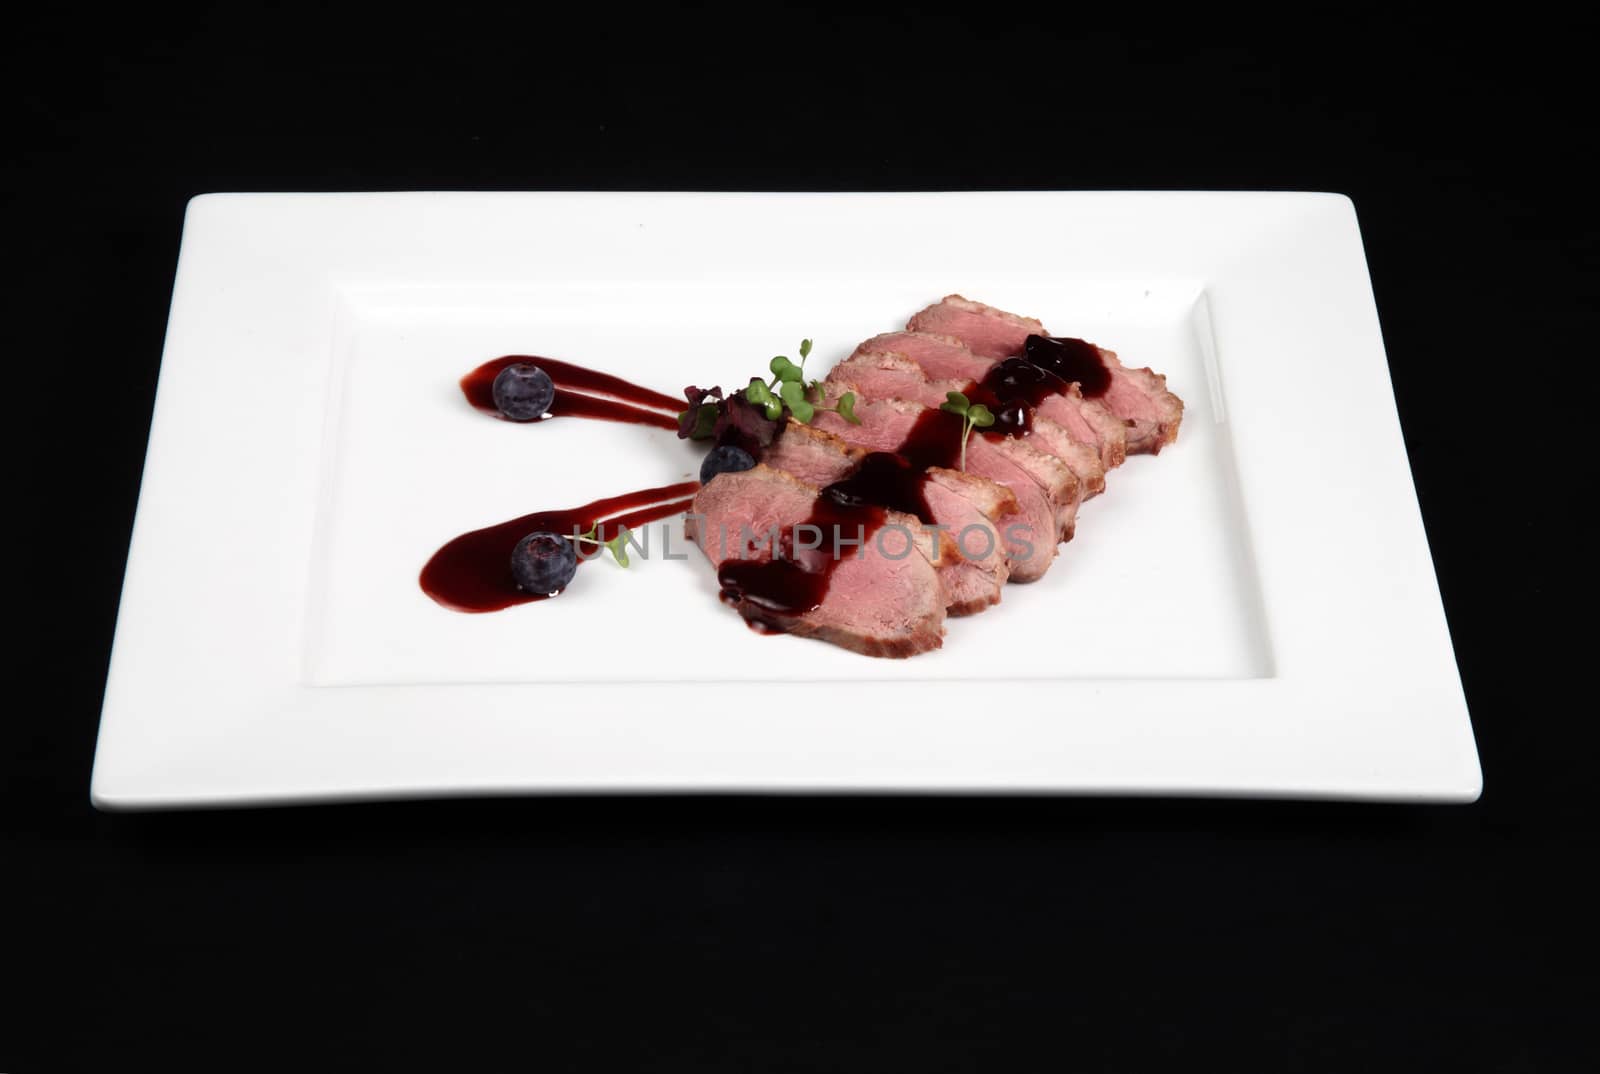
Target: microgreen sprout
(761, 395)
(794, 393)
(617, 546)
(973, 415)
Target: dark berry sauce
(580, 393)
(883, 479)
(1011, 419)
(792, 580)
(1072, 360)
(1017, 380)
(472, 573)
(934, 440)
(771, 592)
(1049, 365)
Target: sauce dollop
(1072, 360)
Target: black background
(845, 933)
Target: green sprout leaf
(619, 546)
(788, 388)
(846, 408)
(793, 394)
(785, 370)
(972, 415)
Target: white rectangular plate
(1252, 613)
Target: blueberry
(523, 392)
(726, 459)
(544, 562)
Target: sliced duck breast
(1139, 397)
(989, 332)
(947, 358)
(885, 375)
(1045, 490)
(885, 601)
(966, 508)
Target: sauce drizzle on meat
(793, 580)
(1072, 360)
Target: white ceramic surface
(1252, 613)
